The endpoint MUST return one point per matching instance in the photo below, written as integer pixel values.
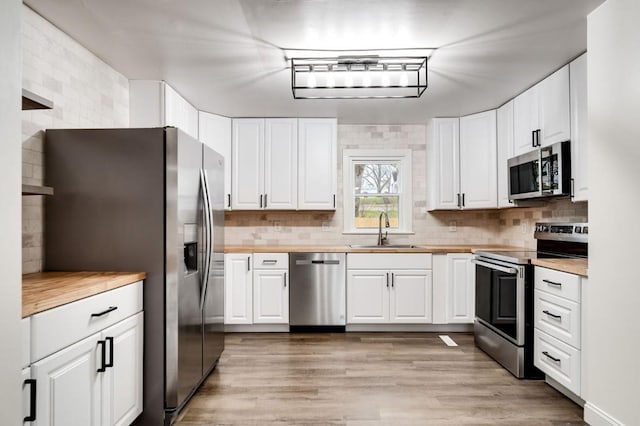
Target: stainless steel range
(503, 325)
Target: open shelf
(32, 101)
(36, 190)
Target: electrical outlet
(453, 226)
(326, 227)
(276, 226)
(524, 228)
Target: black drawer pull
(103, 352)
(545, 353)
(105, 312)
(552, 283)
(552, 315)
(32, 400)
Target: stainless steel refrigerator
(146, 200)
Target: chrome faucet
(383, 240)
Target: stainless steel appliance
(317, 291)
(544, 172)
(147, 200)
(503, 326)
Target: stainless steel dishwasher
(317, 291)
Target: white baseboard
(563, 390)
(435, 328)
(596, 417)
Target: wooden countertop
(572, 266)
(46, 290)
(420, 248)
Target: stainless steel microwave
(545, 172)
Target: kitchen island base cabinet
(96, 381)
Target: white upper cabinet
(317, 163)
(541, 114)
(154, 103)
(247, 153)
(478, 173)
(215, 132)
(281, 164)
(264, 156)
(505, 151)
(579, 170)
(443, 163)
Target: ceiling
(229, 56)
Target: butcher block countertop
(420, 248)
(572, 266)
(47, 290)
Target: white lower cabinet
(97, 379)
(256, 288)
(558, 327)
(461, 281)
(377, 293)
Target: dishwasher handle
(317, 262)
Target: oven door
(500, 298)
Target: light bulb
(348, 79)
(311, 81)
(366, 79)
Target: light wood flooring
(360, 379)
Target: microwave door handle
(494, 266)
(540, 181)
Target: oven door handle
(494, 266)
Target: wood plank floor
(361, 379)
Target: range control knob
(578, 230)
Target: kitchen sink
(389, 246)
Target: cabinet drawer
(57, 328)
(271, 261)
(389, 261)
(557, 359)
(558, 317)
(558, 283)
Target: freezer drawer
(317, 290)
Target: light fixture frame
(360, 63)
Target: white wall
(10, 254)
(611, 344)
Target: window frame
(350, 157)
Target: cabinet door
(270, 297)
(281, 164)
(317, 163)
(368, 296)
(445, 173)
(554, 108)
(27, 390)
(461, 283)
(525, 120)
(238, 289)
(122, 383)
(247, 152)
(579, 141)
(215, 132)
(478, 172)
(411, 296)
(68, 385)
(505, 151)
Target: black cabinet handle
(110, 363)
(393, 279)
(265, 200)
(32, 400)
(334, 201)
(260, 200)
(572, 193)
(538, 137)
(463, 199)
(387, 280)
(552, 283)
(248, 263)
(105, 312)
(229, 200)
(545, 353)
(552, 315)
(459, 205)
(285, 279)
(533, 138)
(103, 351)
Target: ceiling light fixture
(359, 76)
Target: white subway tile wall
(86, 92)
(511, 226)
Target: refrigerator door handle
(206, 202)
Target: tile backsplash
(86, 92)
(507, 226)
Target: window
(376, 182)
